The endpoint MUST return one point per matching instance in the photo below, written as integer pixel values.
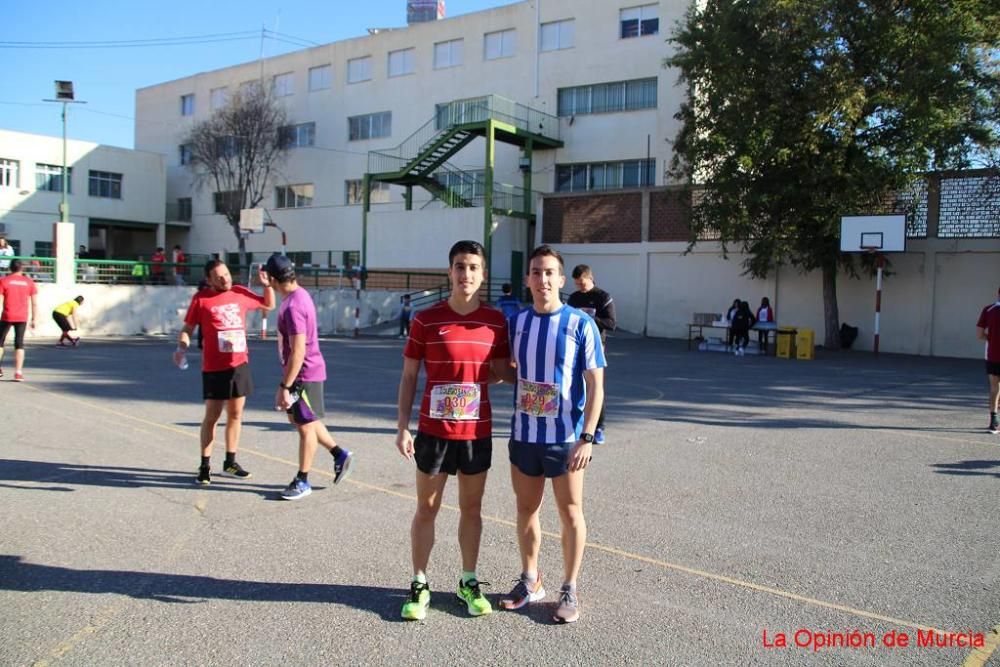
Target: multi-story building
(115, 195)
(581, 83)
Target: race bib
(233, 341)
(455, 402)
(538, 399)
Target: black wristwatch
(282, 385)
(587, 437)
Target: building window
(369, 126)
(49, 177)
(293, 196)
(359, 69)
(499, 44)
(184, 210)
(250, 87)
(557, 35)
(187, 105)
(401, 62)
(354, 192)
(42, 248)
(640, 21)
(105, 184)
(320, 78)
(185, 154)
(448, 54)
(284, 84)
(469, 185)
(608, 97)
(9, 173)
(218, 97)
(225, 202)
(295, 136)
(605, 175)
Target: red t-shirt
(222, 317)
(16, 290)
(456, 351)
(990, 320)
(158, 259)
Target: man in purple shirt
(300, 392)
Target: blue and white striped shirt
(552, 351)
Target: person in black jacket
(599, 305)
(743, 320)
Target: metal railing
(39, 269)
(466, 189)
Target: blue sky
(107, 78)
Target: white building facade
(596, 66)
(115, 195)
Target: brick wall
(669, 215)
(593, 218)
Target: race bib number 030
(455, 402)
(538, 399)
(233, 341)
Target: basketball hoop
(251, 221)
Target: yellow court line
(748, 585)
(980, 656)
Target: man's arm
(265, 280)
(981, 333)
(606, 318)
(183, 343)
(34, 310)
(404, 406)
(296, 355)
(593, 378)
(501, 370)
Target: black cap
(279, 267)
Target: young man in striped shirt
(560, 374)
(459, 342)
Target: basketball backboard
(868, 233)
(252, 220)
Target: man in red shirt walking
(988, 329)
(462, 343)
(220, 310)
(20, 308)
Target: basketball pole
(879, 263)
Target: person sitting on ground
(65, 316)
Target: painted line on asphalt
(980, 656)
(739, 583)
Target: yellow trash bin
(805, 341)
(784, 342)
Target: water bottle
(183, 364)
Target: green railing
(462, 112)
(39, 269)
(465, 189)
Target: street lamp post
(64, 95)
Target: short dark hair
(16, 265)
(466, 248)
(79, 299)
(581, 270)
(212, 264)
(545, 250)
(506, 288)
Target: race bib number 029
(455, 402)
(233, 341)
(538, 399)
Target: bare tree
(237, 151)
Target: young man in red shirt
(988, 329)
(220, 310)
(461, 342)
(20, 309)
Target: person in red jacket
(765, 321)
(988, 329)
(157, 260)
(20, 309)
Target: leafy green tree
(801, 111)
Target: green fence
(39, 269)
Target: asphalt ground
(735, 497)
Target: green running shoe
(473, 598)
(415, 607)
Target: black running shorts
(434, 455)
(18, 327)
(227, 384)
(62, 321)
(993, 367)
(537, 459)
